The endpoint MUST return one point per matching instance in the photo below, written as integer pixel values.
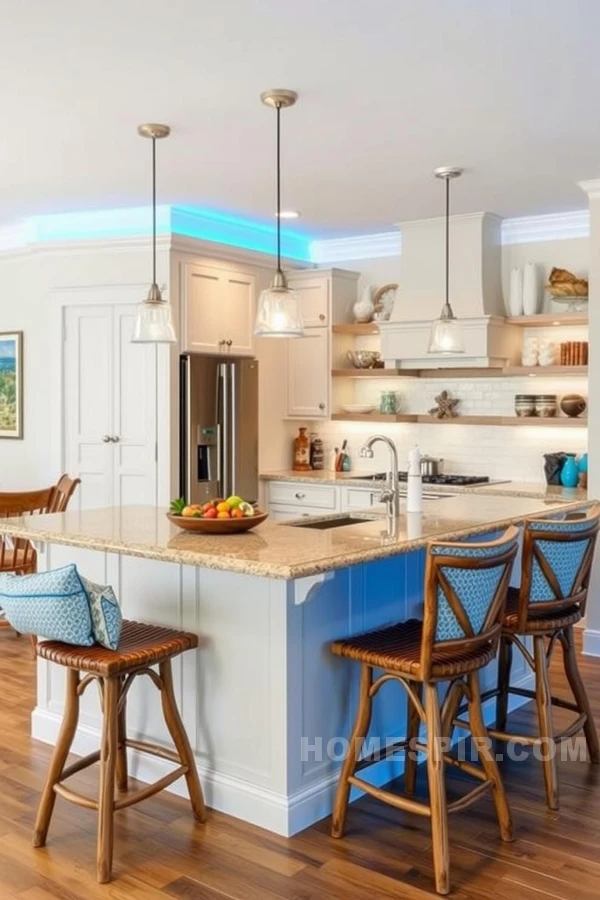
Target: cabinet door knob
(321, 406)
(106, 439)
(322, 317)
(299, 495)
(115, 439)
(229, 342)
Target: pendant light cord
(279, 187)
(153, 210)
(447, 242)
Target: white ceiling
(389, 89)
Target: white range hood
(475, 294)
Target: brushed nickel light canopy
(446, 334)
(278, 310)
(154, 324)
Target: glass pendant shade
(153, 322)
(278, 313)
(446, 336)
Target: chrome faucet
(391, 493)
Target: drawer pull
(299, 495)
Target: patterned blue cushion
(475, 588)
(564, 558)
(52, 605)
(105, 612)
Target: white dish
(357, 409)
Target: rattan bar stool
(140, 647)
(555, 574)
(465, 595)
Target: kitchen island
(263, 701)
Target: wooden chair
(18, 555)
(465, 593)
(140, 647)
(555, 575)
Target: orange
(237, 514)
(223, 507)
(223, 514)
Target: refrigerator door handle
(225, 431)
(233, 374)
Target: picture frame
(11, 384)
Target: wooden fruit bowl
(218, 526)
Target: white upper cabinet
(309, 375)
(326, 296)
(314, 300)
(217, 309)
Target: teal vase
(568, 473)
(582, 465)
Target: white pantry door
(109, 407)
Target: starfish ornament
(445, 406)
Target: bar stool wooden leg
(181, 740)
(579, 692)
(437, 791)
(122, 775)
(504, 667)
(543, 699)
(412, 733)
(488, 759)
(59, 758)
(108, 764)
(361, 728)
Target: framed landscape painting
(11, 384)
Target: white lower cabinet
(293, 499)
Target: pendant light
(153, 324)
(278, 312)
(446, 337)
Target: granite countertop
(277, 550)
(533, 489)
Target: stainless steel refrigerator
(218, 429)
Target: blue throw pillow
(52, 605)
(105, 612)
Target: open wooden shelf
(536, 421)
(491, 372)
(375, 373)
(373, 417)
(356, 328)
(544, 319)
(545, 370)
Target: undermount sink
(339, 522)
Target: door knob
(115, 439)
(106, 439)
(321, 406)
(322, 317)
(229, 342)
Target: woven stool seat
(139, 646)
(397, 648)
(537, 623)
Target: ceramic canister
(545, 405)
(525, 404)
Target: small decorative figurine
(445, 406)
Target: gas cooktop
(458, 480)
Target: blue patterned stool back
(557, 560)
(465, 594)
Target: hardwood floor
(160, 853)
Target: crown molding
(553, 227)
(591, 187)
(365, 246)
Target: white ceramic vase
(364, 307)
(515, 295)
(531, 290)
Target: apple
(211, 513)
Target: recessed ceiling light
(288, 214)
